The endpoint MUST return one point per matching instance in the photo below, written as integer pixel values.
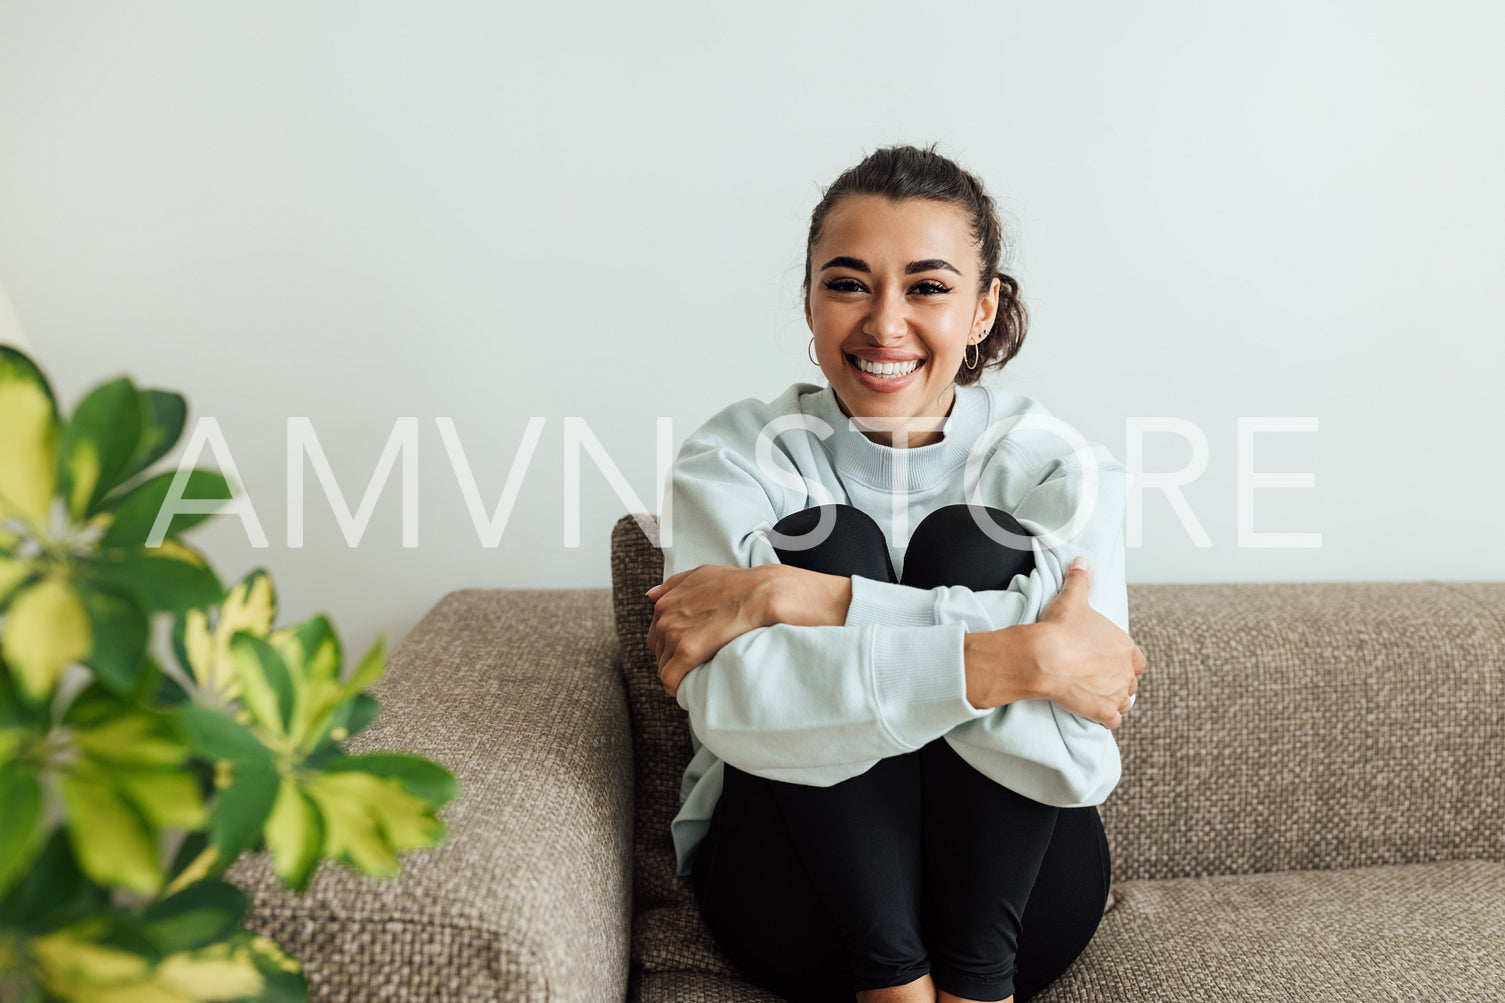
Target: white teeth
(886, 368)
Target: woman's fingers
(673, 669)
(668, 583)
(655, 636)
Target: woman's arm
(820, 704)
(1084, 661)
(1072, 655)
(808, 704)
(699, 610)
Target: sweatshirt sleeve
(807, 704)
(1034, 746)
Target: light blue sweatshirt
(818, 705)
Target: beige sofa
(1312, 805)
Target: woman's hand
(698, 610)
(1085, 663)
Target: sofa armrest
(518, 693)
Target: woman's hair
(907, 172)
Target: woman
(901, 693)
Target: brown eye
(927, 288)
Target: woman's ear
(989, 304)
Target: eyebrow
(857, 264)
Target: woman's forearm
(1001, 666)
(1077, 660)
(805, 598)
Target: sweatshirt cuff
(920, 676)
(884, 602)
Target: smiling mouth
(885, 370)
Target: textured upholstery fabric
(519, 694)
(660, 728)
(1310, 726)
(1299, 743)
(1400, 931)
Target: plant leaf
(356, 714)
(111, 839)
(313, 709)
(14, 711)
(285, 982)
(132, 739)
(295, 835)
(120, 632)
(204, 862)
(251, 604)
(193, 643)
(166, 800)
(241, 809)
(199, 915)
(97, 444)
(420, 777)
(51, 891)
(75, 966)
(29, 416)
(188, 850)
(163, 414)
(12, 573)
(46, 630)
(371, 668)
(20, 834)
(347, 802)
(135, 512)
(214, 734)
(318, 647)
(264, 681)
(218, 972)
(172, 578)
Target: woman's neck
(910, 432)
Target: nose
(888, 320)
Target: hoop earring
(807, 352)
(976, 358)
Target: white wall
(357, 212)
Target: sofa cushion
(660, 727)
(1397, 931)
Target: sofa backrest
(1279, 726)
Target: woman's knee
(835, 539)
(978, 546)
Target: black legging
(919, 864)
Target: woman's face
(896, 282)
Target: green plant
(130, 783)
